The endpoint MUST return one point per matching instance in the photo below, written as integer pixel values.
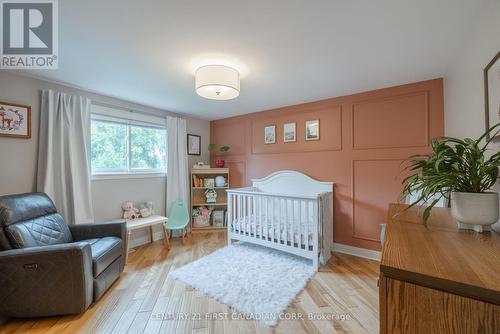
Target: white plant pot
(474, 211)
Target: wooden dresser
(440, 279)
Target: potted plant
(458, 170)
(219, 163)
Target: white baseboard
(356, 251)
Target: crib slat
(316, 225)
(245, 213)
(300, 223)
(239, 214)
(281, 227)
(229, 212)
(260, 217)
(306, 220)
(235, 216)
(249, 210)
(272, 219)
(266, 219)
(293, 223)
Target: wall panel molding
(397, 121)
(390, 184)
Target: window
(120, 146)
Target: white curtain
(177, 168)
(63, 155)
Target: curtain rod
(113, 106)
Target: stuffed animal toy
(149, 205)
(204, 215)
(144, 211)
(147, 209)
(129, 212)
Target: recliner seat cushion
(40, 231)
(104, 252)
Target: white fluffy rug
(256, 281)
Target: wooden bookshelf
(198, 198)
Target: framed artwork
(270, 134)
(194, 144)
(289, 133)
(15, 120)
(492, 95)
(312, 130)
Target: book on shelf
(218, 218)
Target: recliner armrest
(47, 280)
(99, 230)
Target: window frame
(129, 172)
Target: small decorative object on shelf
(209, 183)
(219, 163)
(129, 211)
(201, 165)
(197, 182)
(211, 195)
(220, 181)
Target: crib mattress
(291, 231)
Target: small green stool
(178, 219)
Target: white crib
(286, 210)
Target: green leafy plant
(453, 165)
(223, 149)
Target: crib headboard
(292, 183)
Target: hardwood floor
(144, 298)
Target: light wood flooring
(145, 297)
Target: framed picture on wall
(312, 130)
(15, 120)
(270, 134)
(289, 132)
(194, 144)
(492, 95)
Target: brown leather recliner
(49, 268)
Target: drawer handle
(31, 266)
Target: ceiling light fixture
(217, 82)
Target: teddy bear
(205, 215)
(129, 212)
(147, 209)
(149, 205)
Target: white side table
(138, 223)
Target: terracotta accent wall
(363, 140)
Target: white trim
(126, 175)
(356, 251)
(293, 183)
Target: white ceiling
(289, 51)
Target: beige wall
(18, 157)
(464, 88)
